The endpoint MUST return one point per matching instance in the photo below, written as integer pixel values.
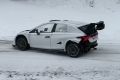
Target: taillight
(84, 38)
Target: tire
(86, 49)
(73, 50)
(22, 43)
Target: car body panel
(40, 41)
(59, 40)
(55, 40)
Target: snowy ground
(18, 16)
(35, 64)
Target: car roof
(69, 22)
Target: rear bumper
(89, 44)
(93, 44)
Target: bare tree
(91, 3)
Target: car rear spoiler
(99, 25)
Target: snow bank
(78, 3)
(19, 16)
(61, 74)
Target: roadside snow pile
(17, 16)
(74, 3)
(61, 74)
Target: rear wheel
(86, 49)
(73, 50)
(22, 43)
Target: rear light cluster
(87, 37)
(84, 38)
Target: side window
(61, 28)
(46, 28)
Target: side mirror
(100, 25)
(37, 32)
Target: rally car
(74, 37)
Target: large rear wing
(99, 25)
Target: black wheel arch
(19, 36)
(83, 47)
(69, 42)
(76, 45)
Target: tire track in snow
(104, 52)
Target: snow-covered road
(36, 64)
(105, 52)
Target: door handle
(47, 36)
(59, 43)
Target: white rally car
(74, 37)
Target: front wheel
(73, 50)
(22, 43)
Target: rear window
(88, 29)
(61, 28)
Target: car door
(59, 36)
(43, 39)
